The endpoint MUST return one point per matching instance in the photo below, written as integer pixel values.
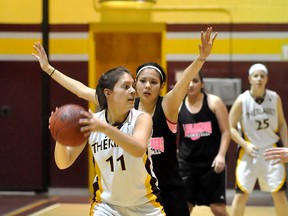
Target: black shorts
(202, 185)
(173, 200)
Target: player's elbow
(140, 151)
(62, 165)
(62, 161)
(137, 150)
(139, 154)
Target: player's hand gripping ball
(65, 127)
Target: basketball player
(260, 114)
(150, 80)
(124, 183)
(204, 138)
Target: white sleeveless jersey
(259, 122)
(121, 179)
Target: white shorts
(105, 209)
(270, 177)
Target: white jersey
(259, 122)
(121, 179)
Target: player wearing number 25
(118, 136)
(263, 125)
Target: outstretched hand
(41, 56)
(206, 43)
(278, 153)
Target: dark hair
(108, 80)
(152, 65)
(201, 80)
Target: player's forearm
(72, 85)
(65, 156)
(225, 143)
(129, 143)
(236, 137)
(189, 73)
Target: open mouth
(147, 93)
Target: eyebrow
(149, 77)
(128, 82)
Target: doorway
(126, 49)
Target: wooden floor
(74, 202)
(82, 209)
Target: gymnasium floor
(75, 202)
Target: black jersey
(200, 135)
(164, 149)
(165, 164)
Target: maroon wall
(20, 127)
(27, 162)
(22, 154)
(77, 174)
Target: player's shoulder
(137, 114)
(243, 97)
(142, 118)
(237, 104)
(271, 93)
(214, 99)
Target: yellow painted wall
(167, 11)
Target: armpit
(172, 126)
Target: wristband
(201, 59)
(52, 72)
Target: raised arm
(173, 99)
(70, 84)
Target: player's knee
(240, 200)
(219, 210)
(279, 196)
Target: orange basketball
(65, 127)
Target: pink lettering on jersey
(157, 145)
(197, 130)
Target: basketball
(65, 127)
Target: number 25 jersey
(259, 122)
